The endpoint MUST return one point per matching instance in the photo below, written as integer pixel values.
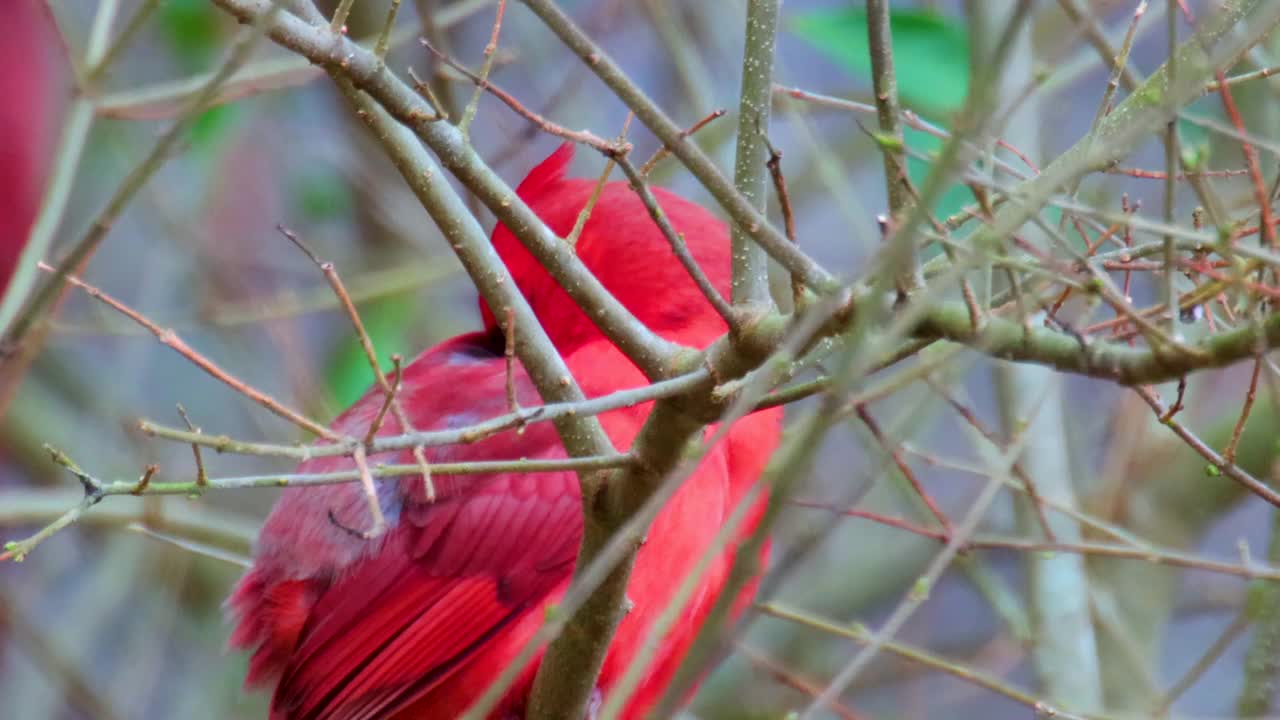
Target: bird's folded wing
(450, 574)
(450, 577)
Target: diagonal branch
(673, 137)
(348, 62)
(547, 369)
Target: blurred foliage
(955, 198)
(320, 196)
(136, 623)
(347, 374)
(931, 52)
(192, 31)
(212, 127)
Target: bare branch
(172, 341)
(750, 264)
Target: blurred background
(119, 616)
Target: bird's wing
(451, 576)
(383, 624)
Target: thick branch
(344, 59)
(739, 209)
(433, 438)
(888, 112)
(550, 375)
(750, 264)
(1010, 340)
(567, 675)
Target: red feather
(29, 84)
(418, 622)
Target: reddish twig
(366, 344)
(1033, 491)
(582, 137)
(865, 416)
(1177, 405)
(663, 152)
(509, 355)
(774, 165)
(1219, 464)
(171, 340)
(1251, 158)
(388, 399)
(147, 473)
(1250, 396)
(1139, 552)
(202, 478)
(1162, 175)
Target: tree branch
(740, 210)
(1217, 44)
(750, 264)
(582, 436)
(888, 111)
(346, 60)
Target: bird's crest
(547, 173)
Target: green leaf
(1194, 139)
(320, 195)
(930, 52)
(213, 126)
(191, 28)
(955, 197)
(348, 374)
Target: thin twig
(662, 152)
(1251, 159)
(147, 473)
(867, 638)
(867, 419)
(774, 166)
(789, 677)
(202, 478)
(1033, 491)
(582, 137)
(585, 213)
(370, 494)
(1143, 552)
(434, 438)
(384, 38)
(366, 344)
(469, 113)
(1218, 464)
(675, 239)
(171, 340)
(888, 111)
(423, 88)
(388, 399)
(1242, 78)
(1177, 405)
(339, 23)
(509, 356)
(96, 489)
(1229, 454)
(1234, 629)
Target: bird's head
(622, 246)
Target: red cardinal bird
(28, 84)
(418, 622)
